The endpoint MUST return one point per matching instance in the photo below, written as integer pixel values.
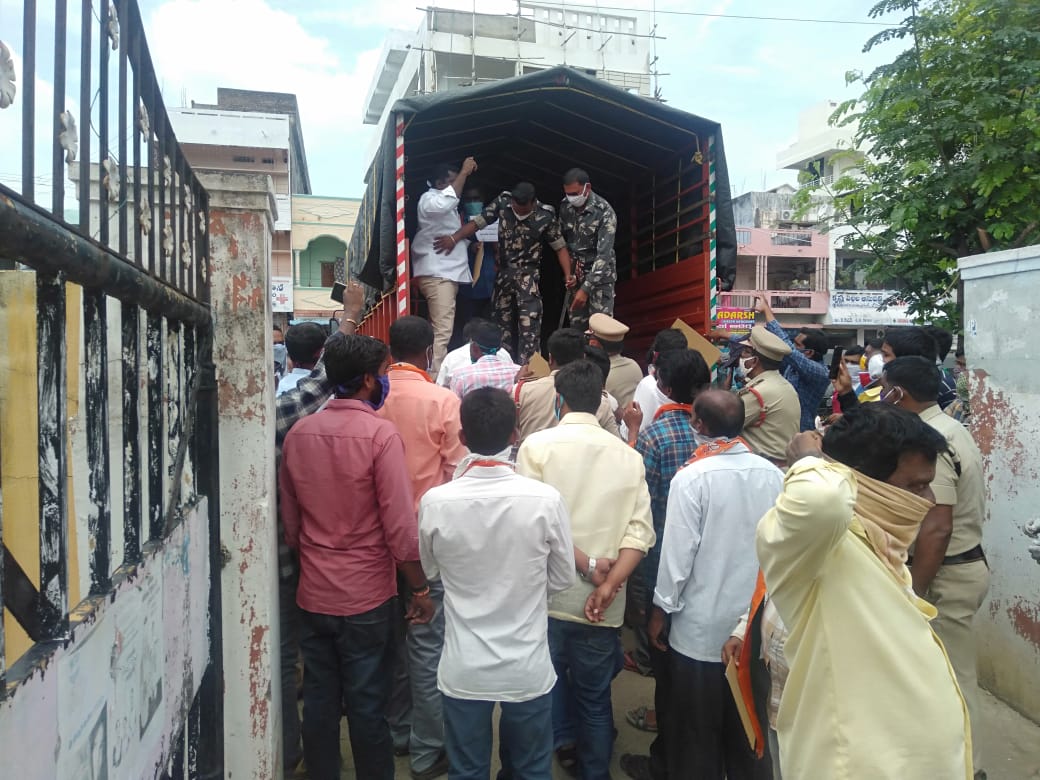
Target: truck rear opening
(663, 170)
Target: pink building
(790, 266)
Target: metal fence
(140, 243)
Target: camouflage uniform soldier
(589, 226)
(524, 225)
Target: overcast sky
(752, 76)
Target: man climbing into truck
(524, 224)
(589, 227)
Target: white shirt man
(460, 358)
(438, 213)
(438, 276)
(707, 574)
(501, 544)
(290, 380)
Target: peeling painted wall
(1001, 310)
(118, 694)
(240, 260)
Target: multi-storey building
(459, 48)
(780, 256)
(254, 132)
(826, 153)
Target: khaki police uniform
(625, 373)
(961, 583)
(772, 411)
(536, 408)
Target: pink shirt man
(427, 416)
(347, 507)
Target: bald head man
(718, 414)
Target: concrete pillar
(241, 225)
(1000, 315)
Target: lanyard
(484, 462)
(410, 367)
(672, 408)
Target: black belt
(968, 556)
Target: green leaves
(951, 130)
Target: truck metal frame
(662, 169)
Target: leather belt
(968, 556)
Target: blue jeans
(347, 664)
(425, 642)
(524, 744)
(587, 658)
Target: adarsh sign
(861, 307)
(735, 320)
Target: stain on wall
(114, 700)
(1005, 404)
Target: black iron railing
(140, 239)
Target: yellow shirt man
(871, 693)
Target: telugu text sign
(863, 307)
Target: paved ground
(1010, 742)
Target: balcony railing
(780, 301)
(791, 238)
(782, 243)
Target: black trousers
(347, 662)
(661, 664)
(706, 740)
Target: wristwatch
(592, 567)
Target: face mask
(522, 217)
(279, 354)
(472, 208)
(743, 367)
(558, 407)
(384, 390)
(875, 366)
(579, 200)
(890, 396)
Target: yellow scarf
(891, 518)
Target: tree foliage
(951, 133)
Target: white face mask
(875, 366)
(522, 217)
(579, 200)
(743, 367)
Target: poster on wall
(83, 711)
(281, 294)
(735, 320)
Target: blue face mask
(558, 407)
(472, 208)
(384, 391)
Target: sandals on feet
(638, 718)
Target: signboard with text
(862, 307)
(735, 320)
(281, 294)
(489, 233)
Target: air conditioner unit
(786, 215)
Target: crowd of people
(795, 549)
